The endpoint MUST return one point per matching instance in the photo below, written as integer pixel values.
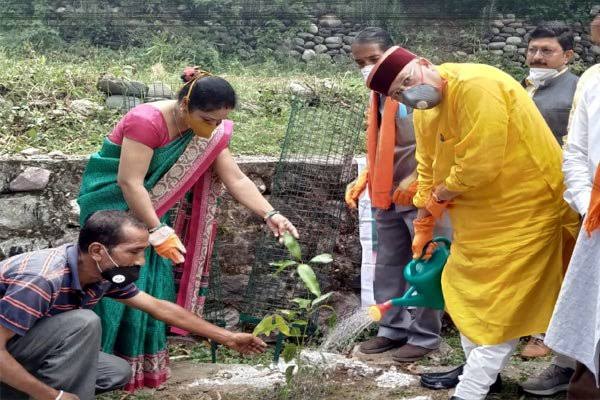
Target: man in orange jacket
(391, 180)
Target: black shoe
(496, 386)
(455, 398)
(449, 380)
(441, 380)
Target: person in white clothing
(575, 326)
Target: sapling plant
(294, 323)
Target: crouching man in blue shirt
(50, 337)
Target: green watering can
(425, 280)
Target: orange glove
(355, 189)
(404, 197)
(435, 207)
(167, 244)
(423, 234)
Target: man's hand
(175, 315)
(69, 396)
(441, 193)
(246, 343)
(404, 197)
(355, 189)
(435, 206)
(423, 234)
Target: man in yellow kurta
(486, 155)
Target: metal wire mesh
(308, 184)
(214, 308)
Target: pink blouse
(144, 124)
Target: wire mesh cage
(214, 308)
(308, 184)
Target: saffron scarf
(381, 141)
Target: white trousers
(482, 367)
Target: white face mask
(366, 70)
(538, 76)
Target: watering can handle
(439, 239)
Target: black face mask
(120, 276)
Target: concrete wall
(38, 210)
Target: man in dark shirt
(50, 337)
(550, 82)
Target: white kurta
(575, 326)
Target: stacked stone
(124, 94)
(37, 201)
(508, 37)
(327, 39)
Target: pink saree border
(217, 143)
(148, 370)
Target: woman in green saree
(164, 158)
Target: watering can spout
(424, 278)
(376, 311)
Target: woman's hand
(278, 224)
(166, 243)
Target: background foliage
(53, 51)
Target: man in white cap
(486, 155)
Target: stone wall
(38, 210)
(329, 38)
(508, 34)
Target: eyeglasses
(545, 52)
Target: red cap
(387, 69)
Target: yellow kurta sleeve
(482, 120)
(425, 150)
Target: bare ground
(340, 384)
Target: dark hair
(208, 93)
(106, 227)
(562, 33)
(374, 35)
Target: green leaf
(287, 313)
(292, 246)
(265, 327)
(321, 299)
(302, 303)
(282, 325)
(322, 259)
(289, 352)
(309, 278)
(299, 322)
(281, 265)
(295, 331)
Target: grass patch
(36, 91)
